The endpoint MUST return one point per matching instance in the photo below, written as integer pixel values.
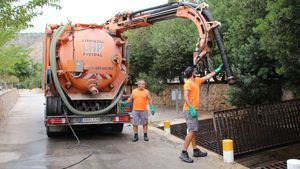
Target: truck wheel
(51, 134)
(53, 106)
(117, 128)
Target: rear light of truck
(121, 119)
(56, 120)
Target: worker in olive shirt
(190, 110)
(140, 97)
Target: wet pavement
(24, 144)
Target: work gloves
(124, 103)
(152, 109)
(218, 70)
(193, 112)
(122, 107)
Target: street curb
(180, 142)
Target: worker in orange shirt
(140, 97)
(191, 108)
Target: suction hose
(59, 89)
(221, 47)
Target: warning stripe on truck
(98, 76)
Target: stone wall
(213, 99)
(7, 101)
(210, 100)
(287, 95)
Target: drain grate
(277, 165)
(259, 127)
(205, 138)
(253, 129)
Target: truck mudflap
(86, 120)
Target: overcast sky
(88, 11)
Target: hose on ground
(78, 145)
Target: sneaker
(146, 138)
(198, 153)
(135, 138)
(184, 156)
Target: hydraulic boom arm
(199, 14)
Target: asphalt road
(24, 144)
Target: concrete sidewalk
(212, 161)
(24, 144)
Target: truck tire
(51, 134)
(53, 106)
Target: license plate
(90, 120)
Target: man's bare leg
(188, 140)
(194, 141)
(145, 127)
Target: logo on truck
(92, 47)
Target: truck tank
(92, 62)
(89, 61)
(85, 72)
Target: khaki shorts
(191, 123)
(139, 117)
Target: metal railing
(259, 127)
(6, 86)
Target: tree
(33, 80)
(174, 41)
(261, 38)
(161, 52)
(141, 51)
(279, 36)
(257, 81)
(15, 61)
(263, 30)
(15, 16)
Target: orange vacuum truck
(85, 71)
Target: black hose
(166, 11)
(78, 145)
(153, 10)
(221, 47)
(161, 8)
